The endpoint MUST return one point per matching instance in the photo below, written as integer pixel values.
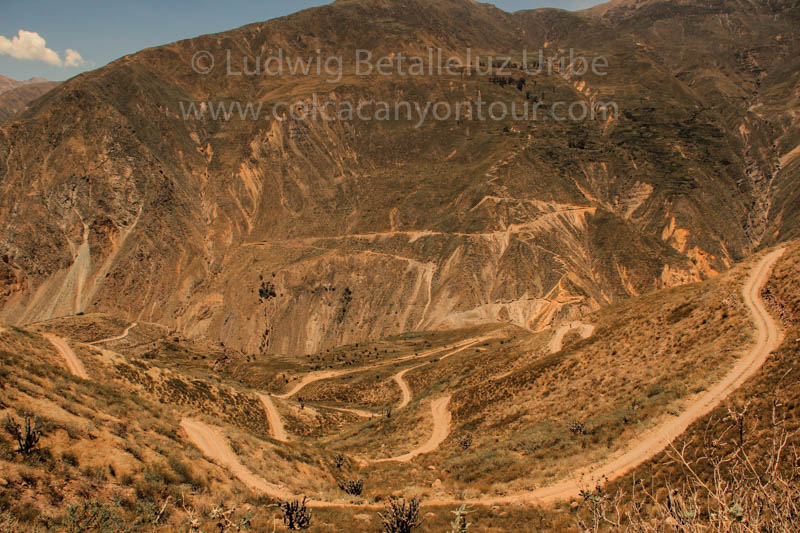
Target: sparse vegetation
(338, 460)
(576, 427)
(459, 523)
(227, 521)
(266, 291)
(353, 487)
(145, 465)
(346, 300)
(91, 515)
(733, 485)
(69, 458)
(26, 436)
(400, 516)
(296, 514)
(223, 517)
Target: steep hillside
(290, 237)
(742, 57)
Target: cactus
(354, 487)
(460, 524)
(296, 515)
(27, 437)
(401, 516)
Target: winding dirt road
(405, 390)
(768, 338)
(313, 377)
(276, 428)
(73, 363)
(358, 412)
(441, 429)
(585, 330)
(118, 337)
(214, 446)
(441, 415)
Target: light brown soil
(557, 341)
(123, 335)
(441, 429)
(276, 428)
(73, 363)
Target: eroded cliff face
(293, 236)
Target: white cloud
(73, 58)
(31, 45)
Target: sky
(58, 39)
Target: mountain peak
(7, 84)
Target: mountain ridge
(7, 84)
(563, 229)
(16, 99)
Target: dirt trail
(358, 412)
(308, 379)
(404, 388)
(118, 337)
(73, 363)
(209, 440)
(556, 343)
(214, 446)
(276, 428)
(276, 424)
(768, 338)
(441, 429)
(399, 378)
(329, 374)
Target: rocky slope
(288, 236)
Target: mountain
(742, 57)
(220, 323)
(7, 84)
(142, 429)
(292, 236)
(17, 99)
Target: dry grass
(118, 436)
